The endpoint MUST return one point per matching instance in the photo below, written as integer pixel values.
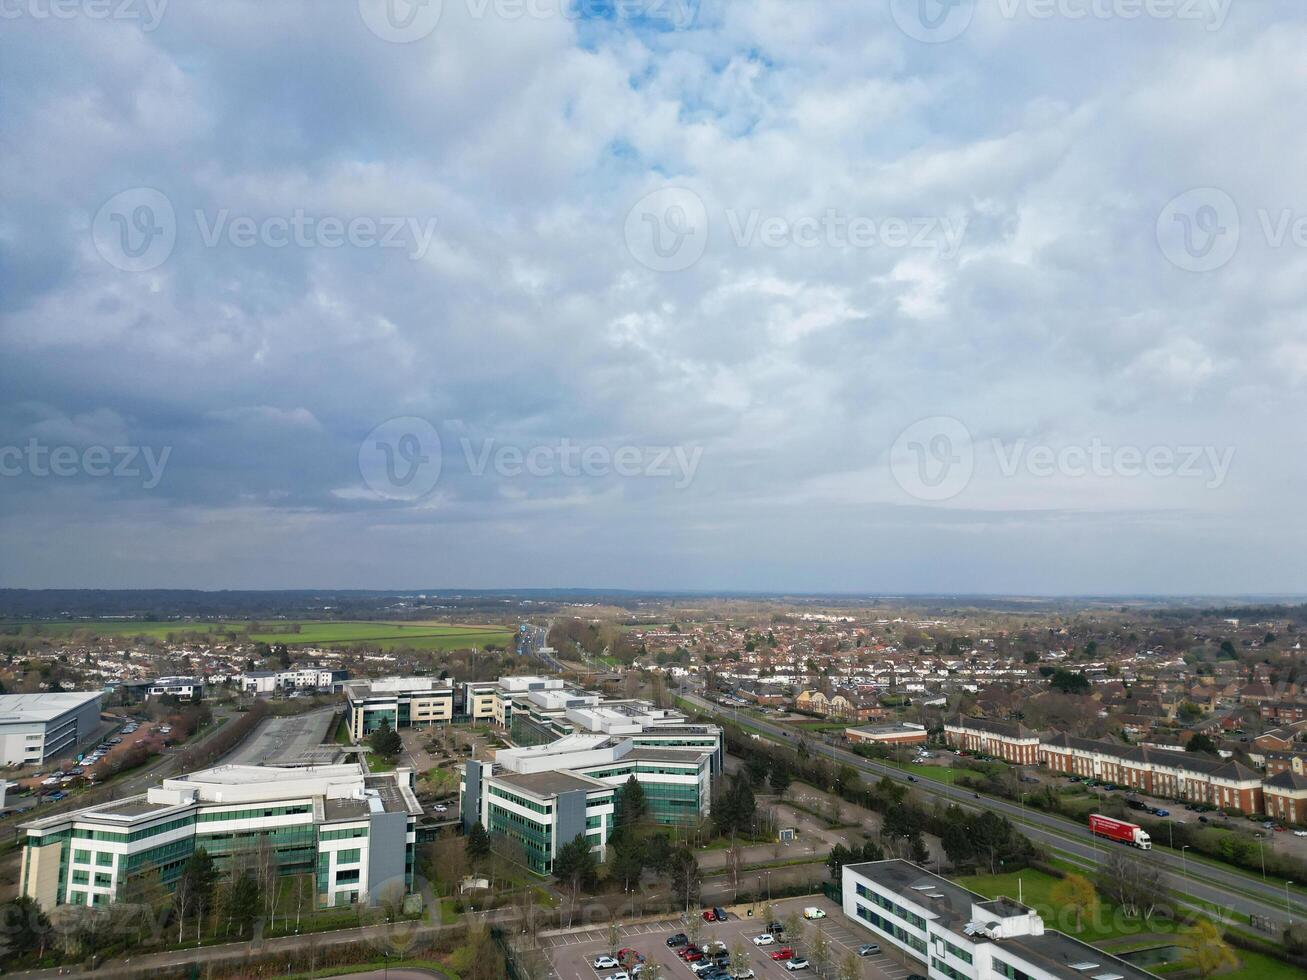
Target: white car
(799, 964)
(812, 912)
(703, 966)
(766, 939)
(441, 808)
(745, 974)
(623, 975)
(605, 962)
(1300, 833)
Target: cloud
(524, 143)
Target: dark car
(719, 914)
(680, 939)
(775, 928)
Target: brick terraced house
(1010, 741)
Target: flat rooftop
(549, 783)
(1056, 952)
(42, 707)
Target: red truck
(1119, 830)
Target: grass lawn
(939, 774)
(342, 732)
(1035, 888)
(418, 635)
(377, 764)
(1255, 966)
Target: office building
(36, 727)
(401, 701)
(955, 934)
(352, 834)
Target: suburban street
(1201, 881)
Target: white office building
(956, 934)
(36, 727)
(352, 834)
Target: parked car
(1202, 819)
(1159, 812)
(709, 915)
(1279, 829)
(719, 914)
(744, 974)
(867, 949)
(1300, 833)
(605, 962)
(680, 939)
(626, 954)
(796, 964)
(784, 953)
(620, 975)
(812, 912)
(685, 951)
(441, 808)
(692, 955)
(765, 939)
(776, 928)
(702, 967)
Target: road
(1215, 886)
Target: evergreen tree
(478, 843)
(385, 741)
(631, 804)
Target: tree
(631, 804)
(1075, 892)
(685, 877)
(819, 951)
(26, 927)
(1069, 682)
(576, 865)
(1132, 884)
(385, 741)
(478, 844)
(850, 968)
(241, 902)
(627, 861)
(780, 779)
(1208, 950)
(1201, 742)
(194, 891)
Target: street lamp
(1288, 911)
(1184, 868)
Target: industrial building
(352, 833)
(36, 727)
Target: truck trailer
(1119, 830)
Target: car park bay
(572, 953)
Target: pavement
(571, 953)
(283, 738)
(1206, 883)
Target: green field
(386, 635)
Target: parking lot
(571, 955)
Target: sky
(881, 295)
